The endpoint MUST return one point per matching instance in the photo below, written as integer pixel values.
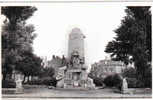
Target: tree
(30, 65)
(18, 14)
(133, 40)
(129, 72)
(17, 37)
(49, 72)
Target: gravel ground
(44, 92)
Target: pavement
(44, 92)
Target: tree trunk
(28, 79)
(24, 79)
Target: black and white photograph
(92, 50)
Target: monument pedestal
(18, 81)
(125, 89)
(76, 79)
(19, 90)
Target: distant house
(106, 67)
(56, 62)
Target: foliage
(98, 81)
(8, 84)
(34, 82)
(17, 37)
(18, 14)
(46, 77)
(113, 80)
(31, 64)
(48, 72)
(50, 81)
(135, 83)
(132, 82)
(44, 81)
(148, 77)
(129, 72)
(133, 40)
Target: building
(74, 74)
(56, 62)
(106, 67)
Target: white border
(36, 2)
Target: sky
(53, 23)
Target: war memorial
(74, 75)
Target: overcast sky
(53, 23)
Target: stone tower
(76, 43)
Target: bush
(44, 81)
(35, 82)
(148, 82)
(140, 84)
(148, 77)
(114, 80)
(109, 81)
(98, 81)
(53, 82)
(49, 81)
(129, 72)
(132, 82)
(8, 84)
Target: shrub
(109, 81)
(129, 72)
(132, 82)
(44, 81)
(113, 80)
(140, 84)
(49, 81)
(148, 77)
(98, 81)
(35, 82)
(8, 84)
(53, 82)
(148, 82)
(117, 79)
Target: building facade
(106, 67)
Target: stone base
(19, 90)
(60, 83)
(126, 91)
(87, 85)
(90, 83)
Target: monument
(74, 75)
(124, 86)
(18, 81)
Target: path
(65, 93)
